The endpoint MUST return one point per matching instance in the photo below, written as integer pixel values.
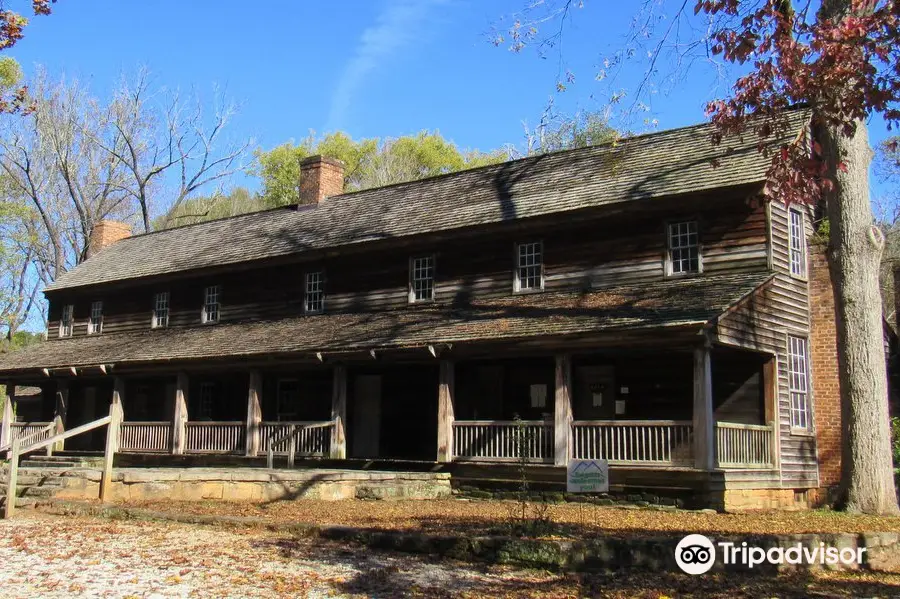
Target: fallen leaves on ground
(493, 517)
(66, 556)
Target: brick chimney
(105, 233)
(320, 177)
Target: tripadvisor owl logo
(695, 554)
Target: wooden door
(366, 425)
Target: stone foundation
(245, 484)
(743, 500)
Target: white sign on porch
(587, 476)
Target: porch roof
(670, 303)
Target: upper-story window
(314, 293)
(529, 266)
(798, 375)
(421, 279)
(95, 324)
(211, 299)
(797, 239)
(66, 321)
(160, 319)
(684, 248)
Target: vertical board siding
(762, 323)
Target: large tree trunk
(856, 245)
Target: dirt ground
(493, 517)
(51, 556)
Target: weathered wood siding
(762, 323)
(624, 248)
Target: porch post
(254, 413)
(562, 413)
(704, 427)
(180, 414)
(62, 400)
(339, 413)
(8, 416)
(446, 390)
(770, 386)
(118, 393)
(60, 412)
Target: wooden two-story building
(642, 301)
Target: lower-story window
(798, 378)
(288, 397)
(207, 396)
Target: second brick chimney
(105, 233)
(320, 177)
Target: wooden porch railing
(214, 437)
(311, 438)
(745, 445)
(650, 442)
(28, 433)
(26, 429)
(307, 439)
(503, 440)
(146, 436)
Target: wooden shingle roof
(668, 303)
(648, 166)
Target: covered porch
(703, 409)
(672, 407)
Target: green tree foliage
(558, 132)
(370, 162)
(203, 208)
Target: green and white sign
(587, 476)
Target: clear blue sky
(371, 68)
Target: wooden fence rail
(310, 438)
(18, 449)
(652, 442)
(146, 436)
(503, 440)
(745, 445)
(215, 437)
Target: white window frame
(212, 304)
(67, 321)
(159, 319)
(522, 262)
(671, 248)
(279, 403)
(314, 292)
(207, 398)
(421, 278)
(797, 243)
(95, 322)
(798, 383)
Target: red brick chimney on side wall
(320, 177)
(105, 233)
(824, 369)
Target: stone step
(33, 491)
(24, 480)
(59, 459)
(20, 501)
(30, 463)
